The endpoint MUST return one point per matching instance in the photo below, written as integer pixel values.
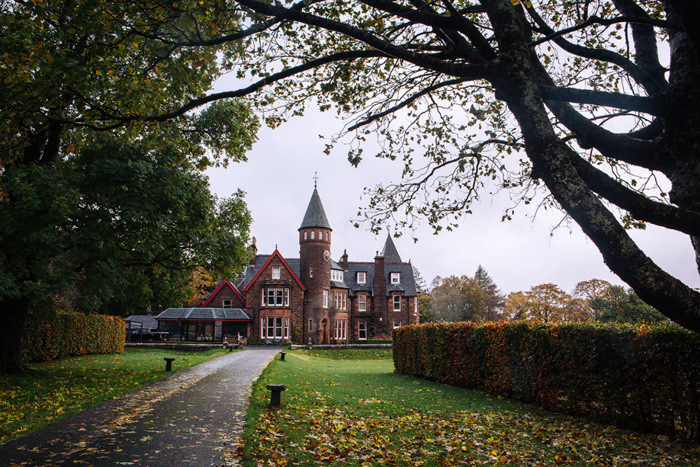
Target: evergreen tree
(421, 285)
(495, 301)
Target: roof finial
(315, 179)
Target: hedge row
(647, 379)
(71, 334)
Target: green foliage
(83, 64)
(71, 334)
(51, 391)
(618, 305)
(102, 192)
(494, 302)
(458, 299)
(638, 377)
(426, 312)
(125, 223)
(297, 335)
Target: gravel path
(193, 417)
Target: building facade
(314, 298)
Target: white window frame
(395, 277)
(362, 329)
(397, 324)
(276, 327)
(305, 235)
(275, 297)
(361, 277)
(325, 298)
(362, 303)
(336, 297)
(397, 302)
(311, 325)
(313, 235)
(226, 303)
(343, 301)
(311, 271)
(341, 329)
(276, 272)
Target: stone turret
(315, 264)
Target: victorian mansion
(312, 298)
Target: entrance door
(325, 337)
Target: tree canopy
(618, 305)
(571, 99)
(575, 100)
(102, 192)
(593, 104)
(464, 299)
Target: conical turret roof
(315, 214)
(390, 253)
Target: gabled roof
(262, 268)
(221, 285)
(390, 253)
(204, 314)
(315, 214)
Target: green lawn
(51, 391)
(340, 411)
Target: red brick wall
(254, 298)
(225, 293)
(311, 256)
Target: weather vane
(315, 178)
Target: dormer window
(361, 277)
(276, 272)
(395, 277)
(336, 275)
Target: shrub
(70, 334)
(633, 376)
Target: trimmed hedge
(637, 377)
(72, 334)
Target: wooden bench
(231, 343)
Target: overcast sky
(278, 180)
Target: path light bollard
(169, 363)
(282, 354)
(275, 397)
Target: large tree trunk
(681, 138)
(13, 315)
(554, 161)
